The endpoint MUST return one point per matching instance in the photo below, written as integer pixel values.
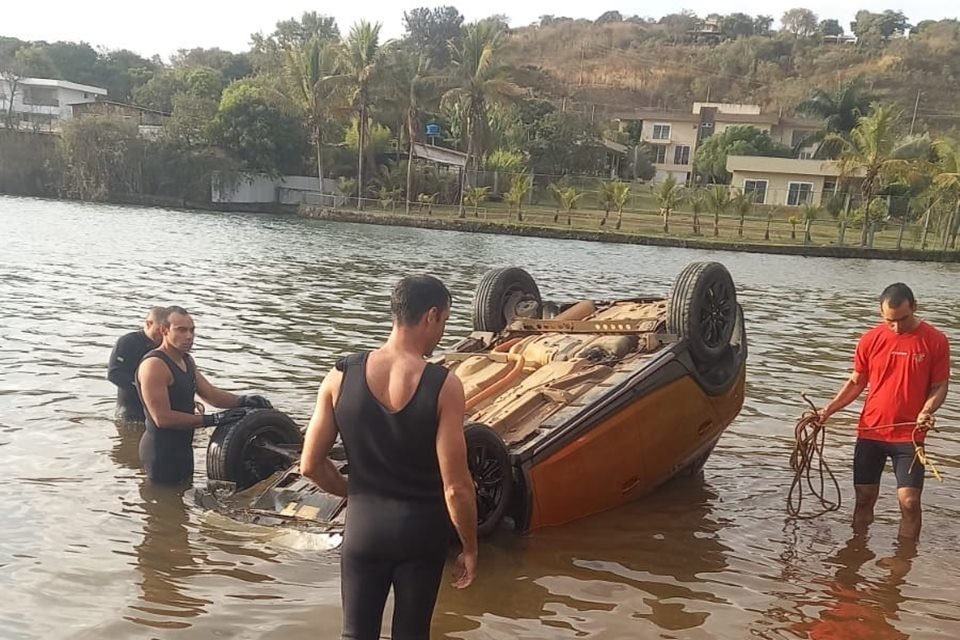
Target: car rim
(488, 475)
(716, 315)
(258, 461)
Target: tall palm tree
(413, 88)
(313, 80)
(946, 182)
(840, 111)
(876, 151)
(362, 59)
(479, 79)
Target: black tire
(234, 454)
(498, 295)
(703, 310)
(492, 476)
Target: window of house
(661, 132)
(799, 193)
(659, 155)
(681, 155)
(40, 96)
(805, 155)
(797, 137)
(757, 190)
(829, 187)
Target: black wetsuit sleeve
(123, 363)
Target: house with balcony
(41, 103)
(673, 137)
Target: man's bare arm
(155, 377)
(849, 392)
(938, 393)
(213, 395)
(321, 434)
(460, 494)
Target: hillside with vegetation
(529, 108)
(612, 64)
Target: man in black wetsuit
(401, 422)
(168, 381)
(125, 358)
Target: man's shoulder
(933, 333)
(132, 338)
(874, 334)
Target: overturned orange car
(573, 408)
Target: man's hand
(255, 402)
(466, 570)
(216, 419)
(925, 420)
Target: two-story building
(42, 103)
(673, 137)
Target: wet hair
(413, 296)
(896, 294)
(169, 311)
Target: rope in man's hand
(809, 438)
(811, 469)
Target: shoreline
(536, 231)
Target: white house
(41, 102)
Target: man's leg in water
(869, 457)
(364, 585)
(415, 586)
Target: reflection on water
(278, 299)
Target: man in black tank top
(168, 381)
(124, 360)
(401, 423)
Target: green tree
(264, 133)
(698, 202)
(800, 22)
(267, 52)
(840, 112)
(363, 58)
(679, 25)
(430, 31)
(191, 124)
(711, 157)
(566, 198)
(737, 25)
(877, 151)
(414, 89)
(810, 213)
(520, 186)
(830, 27)
(231, 66)
(566, 143)
(314, 83)
(101, 155)
(621, 193)
(874, 29)
(719, 201)
(669, 194)
(479, 79)
(475, 196)
(742, 203)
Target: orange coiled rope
(813, 474)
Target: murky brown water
(86, 552)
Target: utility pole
(916, 107)
(580, 81)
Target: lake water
(87, 552)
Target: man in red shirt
(905, 362)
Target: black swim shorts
(870, 456)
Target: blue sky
(164, 27)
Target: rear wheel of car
(501, 296)
(489, 465)
(253, 448)
(703, 310)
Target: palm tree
(810, 213)
(413, 89)
(621, 193)
(566, 199)
(313, 77)
(840, 111)
(946, 186)
(519, 188)
(742, 204)
(669, 194)
(718, 200)
(698, 203)
(479, 80)
(877, 152)
(362, 59)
